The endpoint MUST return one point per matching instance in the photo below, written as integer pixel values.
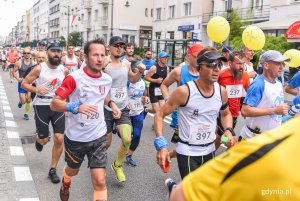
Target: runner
(196, 121)
(226, 51)
(71, 61)
(137, 97)
(293, 86)
(155, 76)
(264, 104)
(247, 171)
(12, 57)
(120, 73)
(86, 90)
(129, 51)
(48, 77)
(22, 66)
(248, 65)
(182, 75)
(236, 80)
(148, 62)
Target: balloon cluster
(253, 37)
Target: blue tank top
(185, 76)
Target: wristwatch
(231, 131)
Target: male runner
(71, 61)
(22, 66)
(120, 73)
(199, 103)
(48, 76)
(86, 90)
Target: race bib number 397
(202, 134)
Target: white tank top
(197, 121)
(50, 78)
(92, 91)
(71, 64)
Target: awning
(276, 24)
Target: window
(151, 12)
(171, 12)
(105, 12)
(158, 13)
(171, 34)
(125, 38)
(157, 35)
(96, 15)
(146, 12)
(132, 39)
(82, 17)
(187, 9)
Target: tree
(62, 41)
(75, 38)
(236, 25)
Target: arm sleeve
(66, 88)
(295, 81)
(255, 92)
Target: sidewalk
(16, 182)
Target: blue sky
(11, 12)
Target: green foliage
(75, 38)
(236, 25)
(30, 44)
(139, 51)
(62, 41)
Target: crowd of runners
(92, 92)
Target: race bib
(202, 134)
(135, 104)
(92, 119)
(234, 91)
(118, 94)
(157, 91)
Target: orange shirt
(12, 57)
(234, 88)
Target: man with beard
(199, 103)
(148, 62)
(48, 76)
(86, 90)
(235, 79)
(120, 73)
(22, 66)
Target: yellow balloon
(218, 29)
(294, 56)
(253, 38)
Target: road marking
(6, 108)
(8, 114)
(16, 151)
(11, 124)
(5, 102)
(165, 120)
(2, 93)
(29, 199)
(3, 97)
(12, 135)
(22, 174)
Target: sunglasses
(26, 53)
(212, 65)
(41, 57)
(118, 45)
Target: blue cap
(54, 46)
(43, 43)
(163, 54)
(227, 49)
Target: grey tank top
(23, 69)
(118, 91)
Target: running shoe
(38, 146)
(26, 117)
(119, 172)
(130, 161)
(53, 176)
(64, 192)
(19, 105)
(170, 184)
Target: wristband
(73, 107)
(160, 142)
(231, 131)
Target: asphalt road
(144, 182)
